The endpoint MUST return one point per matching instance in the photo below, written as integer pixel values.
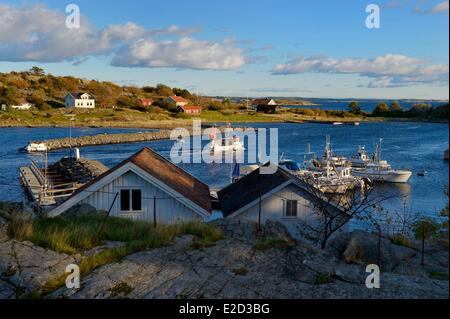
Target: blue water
(414, 146)
(366, 105)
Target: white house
(79, 100)
(281, 197)
(23, 106)
(145, 187)
(178, 100)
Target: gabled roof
(166, 173)
(77, 95)
(248, 189)
(251, 187)
(265, 101)
(178, 99)
(143, 100)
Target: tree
(395, 107)
(37, 71)
(354, 108)
(169, 106)
(183, 93)
(8, 95)
(163, 90)
(38, 102)
(334, 212)
(381, 109)
(425, 229)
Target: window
(291, 208)
(130, 200)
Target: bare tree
(334, 211)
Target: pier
(105, 139)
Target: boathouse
(280, 196)
(265, 105)
(145, 187)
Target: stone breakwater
(104, 139)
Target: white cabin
(79, 100)
(145, 187)
(23, 106)
(279, 197)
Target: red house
(146, 102)
(191, 109)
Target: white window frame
(130, 212)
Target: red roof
(146, 101)
(191, 108)
(168, 173)
(179, 99)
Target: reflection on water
(414, 146)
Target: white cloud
(440, 7)
(182, 53)
(36, 33)
(385, 71)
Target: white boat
(332, 180)
(381, 171)
(227, 144)
(36, 147)
(361, 159)
(329, 156)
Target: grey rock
(80, 210)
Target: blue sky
(259, 48)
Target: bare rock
(27, 267)
(278, 230)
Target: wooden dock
(46, 188)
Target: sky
(250, 48)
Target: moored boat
(380, 170)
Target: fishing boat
(381, 171)
(219, 144)
(227, 144)
(361, 159)
(329, 156)
(36, 147)
(331, 180)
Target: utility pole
(154, 212)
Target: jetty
(105, 139)
(49, 186)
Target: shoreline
(178, 124)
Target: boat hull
(388, 177)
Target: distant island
(34, 98)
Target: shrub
(272, 243)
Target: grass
(272, 243)
(73, 235)
(438, 275)
(401, 240)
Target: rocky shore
(235, 268)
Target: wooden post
(379, 247)
(423, 244)
(154, 212)
(102, 226)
